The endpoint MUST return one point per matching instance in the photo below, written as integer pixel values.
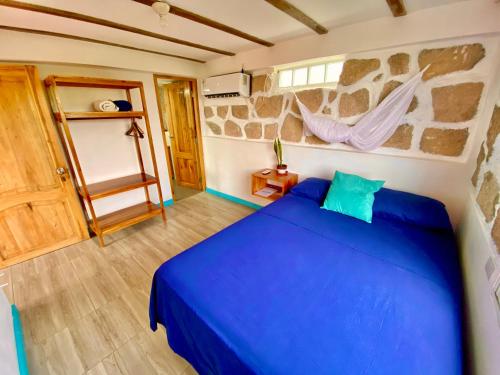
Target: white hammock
(373, 129)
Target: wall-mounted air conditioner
(234, 84)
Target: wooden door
(183, 133)
(39, 210)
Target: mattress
(294, 289)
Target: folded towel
(123, 105)
(104, 106)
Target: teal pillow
(352, 195)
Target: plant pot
(282, 169)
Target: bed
(295, 289)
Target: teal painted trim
(168, 203)
(18, 334)
(233, 199)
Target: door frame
(164, 125)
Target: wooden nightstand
(273, 180)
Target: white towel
(105, 106)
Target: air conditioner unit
(234, 84)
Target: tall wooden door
(183, 133)
(39, 209)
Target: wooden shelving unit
(117, 185)
(125, 217)
(114, 221)
(281, 183)
(98, 115)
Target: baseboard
(234, 199)
(18, 335)
(168, 203)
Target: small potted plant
(278, 150)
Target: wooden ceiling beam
(217, 25)
(103, 22)
(397, 7)
(296, 13)
(97, 41)
(210, 23)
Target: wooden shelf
(282, 183)
(99, 115)
(92, 82)
(125, 217)
(117, 185)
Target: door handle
(61, 171)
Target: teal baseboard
(18, 335)
(168, 203)
(233, 199)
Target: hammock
(373, 129)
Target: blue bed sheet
(293, 289)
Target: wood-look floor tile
(108, 366)
(145, 254)
(92, 341)
(132, 274)
(45, 319)
(103, 286)
(62, 357)
(132, 360)
(137, 302)
(35, 356)
(119, 322)
(6, 283)
(153, 346)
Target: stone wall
(486, 178)
(440, 122)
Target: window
(300, 77)
(310, 75)
(286, 78)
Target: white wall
(229, 164)
(476, 247)
(483, 323)
(8, 354)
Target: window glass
(300, 76)
(316, 74)
(333, 71)
(310, 75)
(285, 79)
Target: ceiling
(256, 17)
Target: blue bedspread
(293, 289)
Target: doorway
(177, 99)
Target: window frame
(307, 65)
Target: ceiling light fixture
(162, 8)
